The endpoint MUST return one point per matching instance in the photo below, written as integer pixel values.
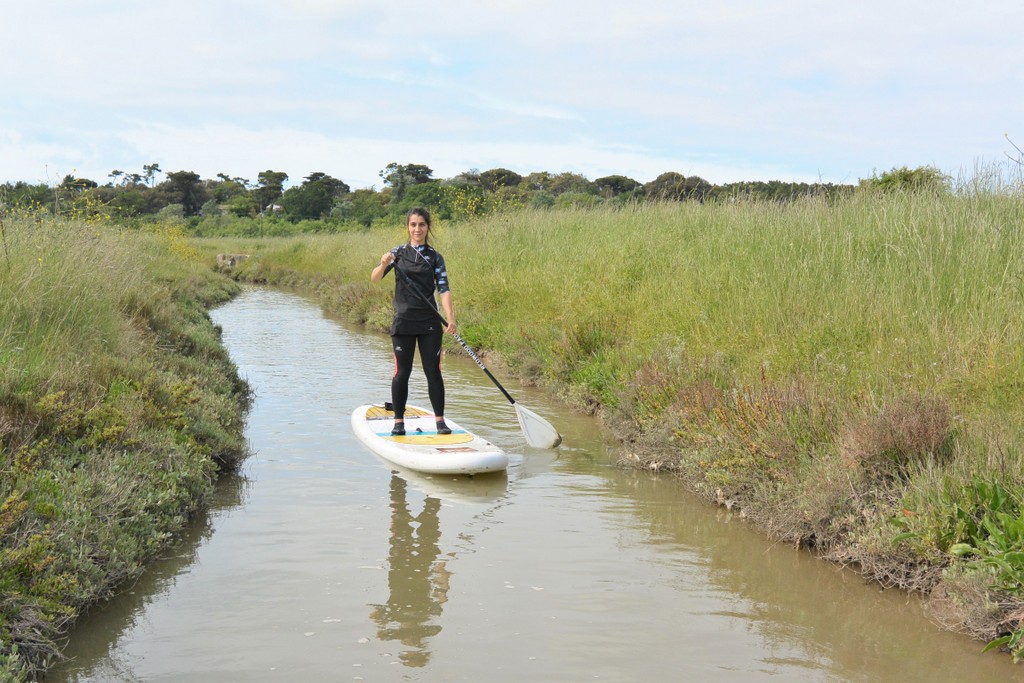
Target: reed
(875, 293)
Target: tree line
(228, 204)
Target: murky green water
(320, 564)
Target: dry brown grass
(910, 430)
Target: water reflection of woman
(417, 579)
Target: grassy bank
(848, 375)
(118, 407)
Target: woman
(416, 321)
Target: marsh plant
(118, 408)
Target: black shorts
(402, 327)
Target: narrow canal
(318, 563)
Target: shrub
(909, 432)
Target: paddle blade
(539, 432)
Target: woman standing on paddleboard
(421, 271)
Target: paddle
(539, 432)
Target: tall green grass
(118, 406)
(840, 371)
(874, 294)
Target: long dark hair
(423, 213)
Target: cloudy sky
(798, 90)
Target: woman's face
(418, 229)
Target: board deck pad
(420, 427)
(382, 413)
(433, 439)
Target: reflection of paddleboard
(422, 449)
(487, 487)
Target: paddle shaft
(418, 292)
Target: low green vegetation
(118, 408)
(846, 372)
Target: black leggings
(430, 355)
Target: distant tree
(508, 198)
(186, 188)
(211, 208)
(497, 178)
(362, 206)
(697, 188)
(224, 189)
(462, 201)
(541, 199)
(314, 198)
(150, 171)
(77, 185)
(241, 205)
(401, 177)
(667, 186)
(614, 185)
(470, 177)
(569, 182)
(334, 186)
(430, 195)
(25, 195)
(537, 181)
(126, 201)
(271, 185)
(416, 173)
(70, 191)
(237, 180)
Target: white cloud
(37, 162)
(793, 88)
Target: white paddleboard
(422, 449)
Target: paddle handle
(481, 364)
(416, 290)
